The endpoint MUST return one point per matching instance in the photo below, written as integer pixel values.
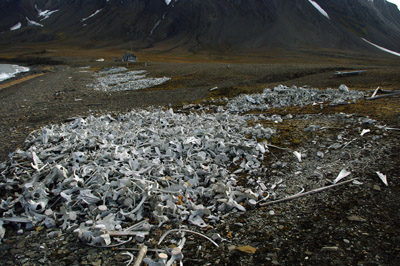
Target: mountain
(205, 24)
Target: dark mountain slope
(205, 24)
(377, 21)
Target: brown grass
(81, 55)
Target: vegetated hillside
(205, 24)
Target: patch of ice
(319, 8)
(382, 48)
(92, 15)
(16, 26)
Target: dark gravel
(349, 225)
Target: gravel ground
(354, 224)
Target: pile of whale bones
(120, 79)
(106, 177)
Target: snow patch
(319, 8)
(155, 27)
(157, 24)
(382, 48)
(44, 14)
(9, 71)
(92, 15)
(33, 23)
(16, 26)
(167, 2)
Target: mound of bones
(102, 174)
(282, 96)
(120, 79)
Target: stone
(377, 188)
(355, 218)
(247, 249)
(231, 247)
(97, 263)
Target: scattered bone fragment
(330, 248)
(187, 231)
(344, 88)
(298, 195)
(176, 255)
(298, 155)
(365, 131)
(2, 231)
(356, 218)
(343, 173)
(131, 257)
(382, 177)
(375, 92)
(142, 253)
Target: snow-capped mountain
(206, 24)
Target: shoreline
(34, 72)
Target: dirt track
(297, 233)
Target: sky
(397, 2)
